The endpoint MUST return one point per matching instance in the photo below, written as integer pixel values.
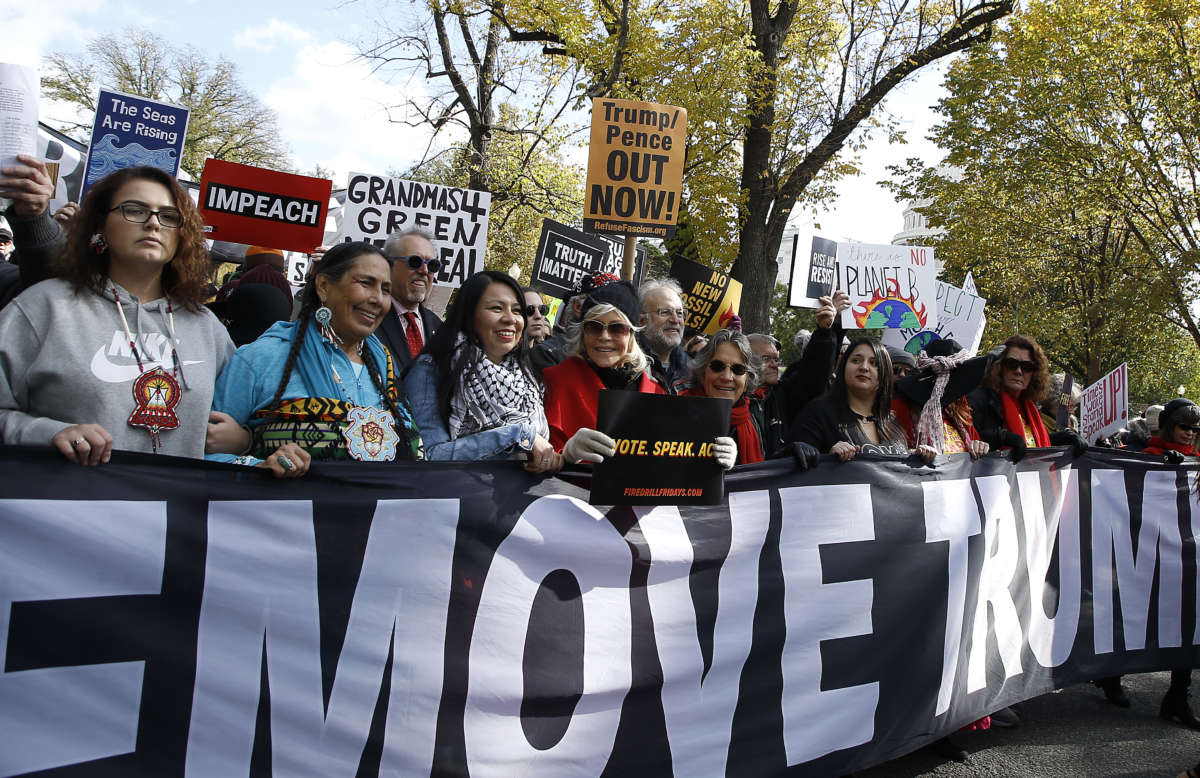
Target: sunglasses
(617, 329)
(1025, 365)
(416, 260)
(542, 309)
(717, 366)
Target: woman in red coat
(602, 353)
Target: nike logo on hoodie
(115, 363)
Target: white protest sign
(18, 112)
(959, 316)
(1104, 408)
(377, 206)
(891, 287)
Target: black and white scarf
(490, 395)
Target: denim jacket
(420, 385)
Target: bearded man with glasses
(409, 325)
(661, 338)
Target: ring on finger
(546, 461)
(284, 462)
(75, 443)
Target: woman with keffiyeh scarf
(473, 393)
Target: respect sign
(129, 131)
(256, 206)
(707, 294)
(960, 315)
(1104, 408)
(564, 256)
(635, 168)
(890, 287)
(378, 206)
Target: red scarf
(1157, 445)
(1012, 419)
(749, 446)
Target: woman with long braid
(324, 381)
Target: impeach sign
(635, 168)
(377, 206)
(255, 206)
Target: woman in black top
(855, 415)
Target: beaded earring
(324, 319)
(98, 243)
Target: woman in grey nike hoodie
(117, 352)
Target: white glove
(588, 446)
(725, 452)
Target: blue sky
(299, 58)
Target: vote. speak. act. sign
(1104, 407)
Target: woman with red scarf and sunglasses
(729, 369)
(1005, 406)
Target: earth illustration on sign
(917, 343)
(890, 311)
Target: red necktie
(413, 332)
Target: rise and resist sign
(163, 616)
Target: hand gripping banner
(171, 617)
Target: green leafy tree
(226, 121)
(1049, 175)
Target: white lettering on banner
(1051, 639)
(260, 582)
(1194, 510)
(1112, 539)
(952, 515)
(72, 549)
(817, 722)
(698, 706)
(554, 533)
(999, 568)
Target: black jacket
(674, 373)
(987, 414)
(391, 332)
(37, 242)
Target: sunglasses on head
(617, 329)
(543, 309)
(1025, 365)
(416, 260)
(717, 366)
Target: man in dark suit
(408, 326)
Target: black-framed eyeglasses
(1011, 363)
(136, 213)
(542, 309)
(617, 329)
(717, 366)
(1190, 427)
(416, 261)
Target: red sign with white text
(1104, 408)
(260, 207)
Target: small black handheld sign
(664, 449)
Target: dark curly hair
(184, 278)
(1039, 382)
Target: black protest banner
(635, 168)
(664, 449)
(161, 616)
(457, 219)
(252, 205)
(615, 259)
(564, 256)
(707, 294)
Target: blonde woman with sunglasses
(601, 353)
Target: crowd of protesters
(106, 343)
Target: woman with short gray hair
(729, 369)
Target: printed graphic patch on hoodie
(115, 363)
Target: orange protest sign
(635, 168)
